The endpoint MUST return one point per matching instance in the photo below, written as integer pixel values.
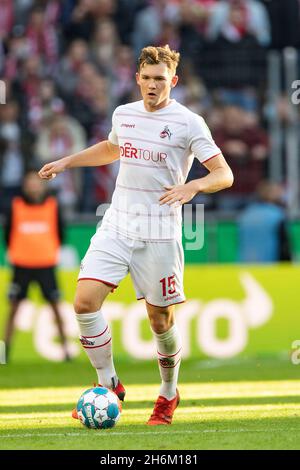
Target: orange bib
(34, 241)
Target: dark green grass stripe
(266, 433)
(251, 423)
(79, 373)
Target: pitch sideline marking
(142, 433)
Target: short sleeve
(112, 136)
(200, 140)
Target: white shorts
(156, 268)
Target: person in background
(15, 144)
(33, 234)
(263, 235)
(245, 146)
(236, 18)
(62, 133)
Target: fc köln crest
(165, 133)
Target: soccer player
(156, 140)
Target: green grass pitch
(238, 404)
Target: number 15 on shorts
(168, 285)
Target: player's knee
(161, 323)
(85, 305)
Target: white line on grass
(142, 433)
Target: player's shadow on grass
(132, 405)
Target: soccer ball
(99, 408)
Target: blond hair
(154, 55)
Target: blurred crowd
(67, 65)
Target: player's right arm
(99, 154)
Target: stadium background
(66, 66)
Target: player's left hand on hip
(177, 195)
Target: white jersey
(156, 150)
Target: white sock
(169, 356)
(96, 340)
